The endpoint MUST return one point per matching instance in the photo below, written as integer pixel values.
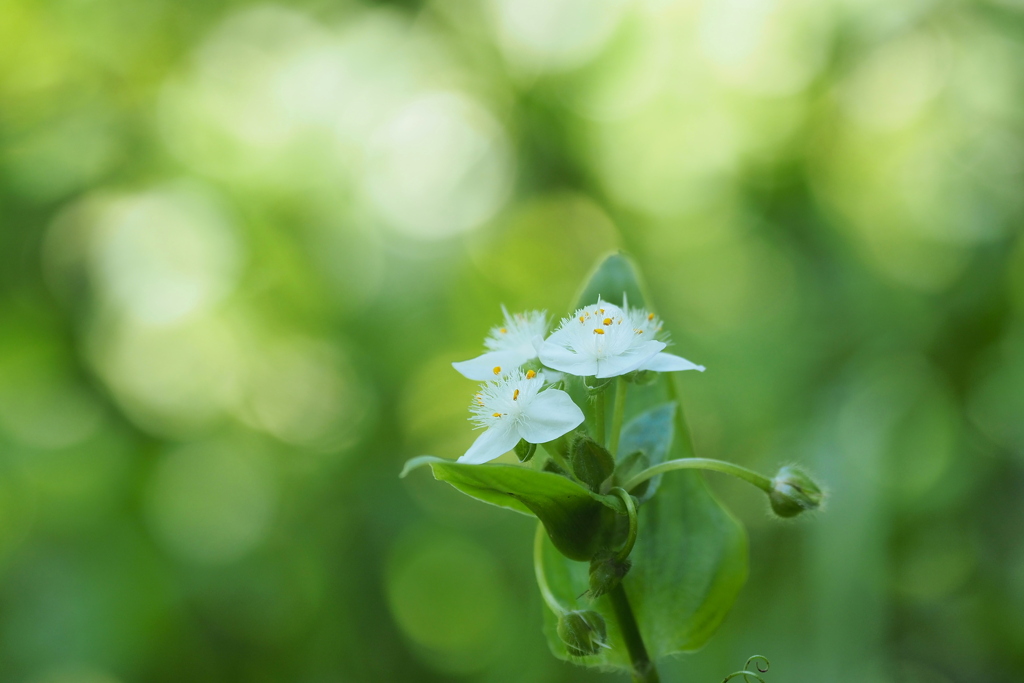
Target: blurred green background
(241, 243)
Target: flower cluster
(601, 340)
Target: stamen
(599, 331)
(530, 374)
(496, 415)
(497, 369)
(650, 316)
(639, 331)
(607, 321)
(503, 331)
(515, 395)
(581, 318)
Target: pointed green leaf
(689, 563)
(649, 433)
(578, 521)
(611, 278)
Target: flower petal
(550, 415)
(629, 360)
(558, 357)
(667, 362)
(494, 442)
(482, 367)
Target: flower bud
(583, 632)
(591, 462)
(793, 492)
(606, 572)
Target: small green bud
(793, 491)
(606, 572)
(525, 450)
(583, 632)
(591, 462)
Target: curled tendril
(756, 660)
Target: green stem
(627, 500)
(683, 429)
(758, 480)
(538, 569)
(643, 667)
(618, 413)
(599, 411)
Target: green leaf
(579, 522)
(649, 433)
(611, 278)
(689, 563)
(629, 466)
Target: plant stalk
(760, 481)
(643, 667)
(599, 411)
(618, 415)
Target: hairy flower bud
(583, 632)
(591, 462)
(606, 572)
(793, 491)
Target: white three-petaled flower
(515, 407)
(508, 345)
(602, 340)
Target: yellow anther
(581, 318)
(650, 316)
(639, 331)
(497, 369)
(599, 331)
(530, 374)
(601, 311)
(503, 331)
(515, 395)
(607, 321)
(496, 415)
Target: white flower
(508, 345)
(602, 341)
(645, 323)
(515, 407)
